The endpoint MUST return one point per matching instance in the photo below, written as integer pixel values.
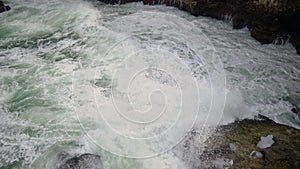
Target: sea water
(129, 82)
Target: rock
(3, 7)
(295, 111)
(84, 161)
(295, 40)
(264, 18)
(261, 35)
(245, 135)
(239, 21)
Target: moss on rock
(244, 135)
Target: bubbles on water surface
(154, 95)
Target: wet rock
(3, 7)
(84, 161)
(239, 21)
(295, 111)
(295, 40)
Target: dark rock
(7, 8)
(238, 22)
(4, 8)
(262, 35)
(84, 161)
(295, 40)
(294, 110)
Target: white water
(74, 53)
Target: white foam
(256, 154)
(223, 163)
(265, 142)
(232, 146)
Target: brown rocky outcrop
(266, 19)
(244, 136)
(237, 146)
(271, 18)
(3, 7)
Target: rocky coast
(269, 21)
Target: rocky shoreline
(269, 21)
(241, 145)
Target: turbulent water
(129, 81)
